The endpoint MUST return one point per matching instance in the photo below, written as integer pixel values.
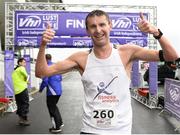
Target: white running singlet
(107, 106)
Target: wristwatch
(158, 36)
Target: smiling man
(105, 72)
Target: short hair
(48, 57)
(20, 60)
(96, 13)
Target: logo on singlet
(102, 88)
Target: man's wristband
(161, 56)
(158, 36)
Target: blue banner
(135, 76)
(153, 78)
(8, 69)
(29, 25)
(76, 42)
(28, 69)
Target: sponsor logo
(36, 22)
(174, 92)
(29, 22)
(121, 23)
(101, 88)
(26, 42)
(82, 43)
(137, 42)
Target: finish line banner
(30, 25)
(76, 42)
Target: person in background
(20, 80)
(53, 91)
(105, 72)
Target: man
(105, 73)
(54, 91)
(20, 82)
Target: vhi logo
(121, 23)
(29, 22)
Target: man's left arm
(169, 52)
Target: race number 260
(103, 113)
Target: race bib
(104, 118)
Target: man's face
(98, 27)
(23, 63)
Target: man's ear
(87, 31)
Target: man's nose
(98, 29)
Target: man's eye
(102, 25)
(93, 26)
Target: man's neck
(102, 52)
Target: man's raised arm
(41, 68)
(169, 53)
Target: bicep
(145, 54)
(62, 66)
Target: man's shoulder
(20, 68)
(127, 49)
(122, 47)
(127, 46)
(81, 54)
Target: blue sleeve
(44, 84)
(60, 77)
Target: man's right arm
(41, 65)
(41, 68)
